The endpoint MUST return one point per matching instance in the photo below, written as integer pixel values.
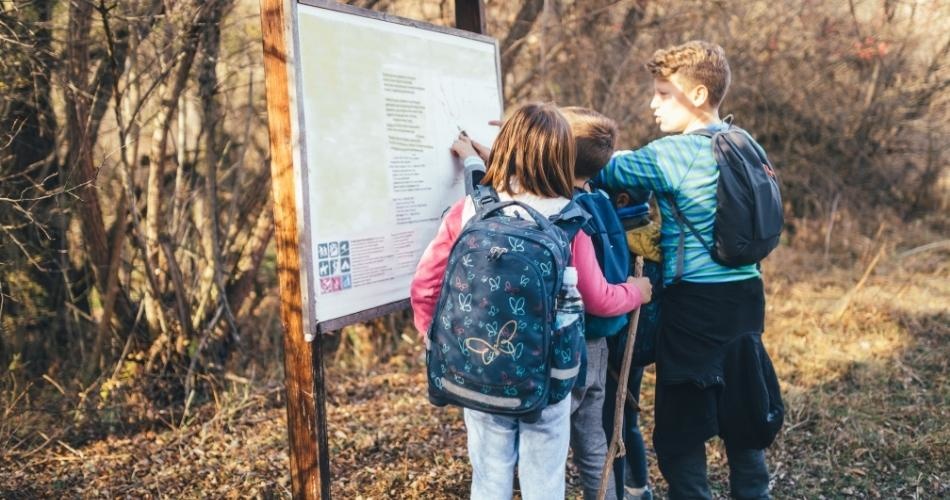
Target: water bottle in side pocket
(568, 350)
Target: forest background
(140, 340)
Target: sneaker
(642, 493)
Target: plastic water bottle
(569, 306)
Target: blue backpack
(606, 231)
(492, 343)
(610, 245)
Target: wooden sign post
(303, 361)
(303, 368)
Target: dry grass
(867, 398)
(867, 393)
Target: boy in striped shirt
(705, 305)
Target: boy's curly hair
(595, 136)
(697, 61)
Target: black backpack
(749, 215)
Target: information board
(378, 101)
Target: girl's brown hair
(535, 148)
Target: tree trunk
(615, 56)
(514, 41)
(212, 121)
(169, 99)
(81, 136)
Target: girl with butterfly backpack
(530, 168)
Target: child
(712, 305)
(532, 162)
(642, 233)
(595, 135)
(642, 238)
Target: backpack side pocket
(567, 353)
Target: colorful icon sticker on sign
(334, 266)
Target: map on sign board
(378, 104)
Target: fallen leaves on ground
(866, 396)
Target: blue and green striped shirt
(684, 165)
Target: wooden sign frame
(313, 323)
(303, 360)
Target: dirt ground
(863, 367)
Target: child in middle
(532, 162)
(596, 136)
(642, 240)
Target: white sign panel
(378, 104)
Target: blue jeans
(496, 443)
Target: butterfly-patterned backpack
(492, 343)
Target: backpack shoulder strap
(710, 133)
(681, 220)
(582, 199)
(683, 223)
(705, 132)
(483, 195)
(571, 219)
(472, 175)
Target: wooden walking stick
(616, 448)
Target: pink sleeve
(600, 298)
(427, 282)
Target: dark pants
(686, 473)
(631, 469)
(689, 407)
(587, 408)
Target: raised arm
(601, 298)
(427, 282)
(637, 168)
